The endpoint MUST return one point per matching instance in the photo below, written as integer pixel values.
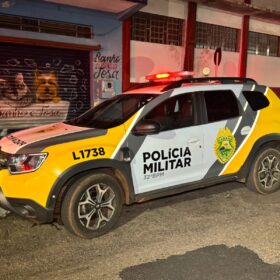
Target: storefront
(40, 85)
(58, 60)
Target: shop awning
(121, 8)
(238, 6)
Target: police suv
(170, 135)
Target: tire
(92, 205)
(264, 176)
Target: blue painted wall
(107, 32)
(104, 23)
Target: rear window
(256, 99)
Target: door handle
(245, 130)
(193, 141)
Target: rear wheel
(264, 175)
(92, 206)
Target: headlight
(26, 162)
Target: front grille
(4, 159)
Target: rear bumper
(26, 208)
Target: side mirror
(146, 127)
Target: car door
(174, 155)
(225, 129)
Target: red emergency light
(169, 75)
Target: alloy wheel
(269, 171)
(96, 206)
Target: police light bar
(169, 75)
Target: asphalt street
(224, 232)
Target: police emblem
(225, 145)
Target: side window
(256, 99)
(176, 112)
(221, 105)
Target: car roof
(156, 87)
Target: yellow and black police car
(170, 135)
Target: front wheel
(264, 175)
(92, 206)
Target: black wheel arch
(119, 170)
(271, 140)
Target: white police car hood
(24, 141)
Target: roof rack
(178, 83)
(221, 80)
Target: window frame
(46, 26)
(157, 29)
(215, 33)
(255, 40)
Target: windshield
(112, 112)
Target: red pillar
(126, 54)
(190, 37)
(91, 73)
(278, 47)
(244, 39)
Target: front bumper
(26, 208)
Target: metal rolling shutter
(40, 85)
